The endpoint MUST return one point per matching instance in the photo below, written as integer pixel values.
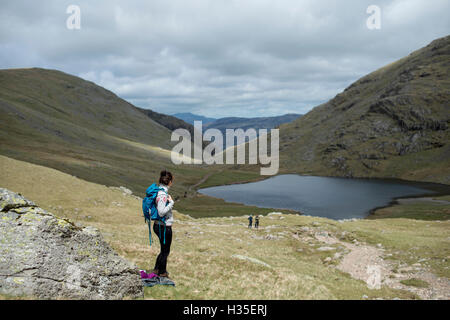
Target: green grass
(201, 260)
(413, 282)
(230, 176)
(422, 210)
(202, 206)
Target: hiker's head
(166, 178)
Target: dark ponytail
(165, 177)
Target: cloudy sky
(218, 57)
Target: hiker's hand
(170, 198)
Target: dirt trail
(367, 263)
(202, 180)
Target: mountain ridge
(191, 117)
(170, 122)
(391, 123)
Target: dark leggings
(161, 260)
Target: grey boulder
(47, 257)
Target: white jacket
(164, 205)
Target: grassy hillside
(289, 257)
(64, 122)
(170, 122)
(393, 122)
(61, 121)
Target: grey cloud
(218, 57)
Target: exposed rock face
(47, 257)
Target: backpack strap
(164, 241)
(164, 236)
(149, 222)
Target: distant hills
(393, 122)
(237, 123)
(190, 118)
(234, 122)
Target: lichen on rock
(47, 257)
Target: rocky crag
(43, 256)
(391, 123)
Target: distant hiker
(250, 221)
(256, 221)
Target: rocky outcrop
(46, 257)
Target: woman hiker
(164, 205)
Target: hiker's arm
(161, 205)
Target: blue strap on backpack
(149, 208)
